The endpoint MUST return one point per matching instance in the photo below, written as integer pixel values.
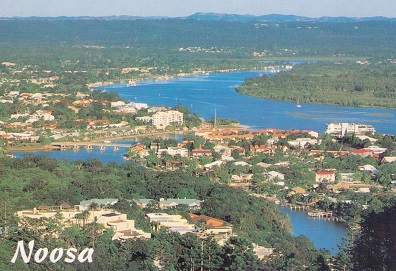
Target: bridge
(88, 145)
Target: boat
(298, 105)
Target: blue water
(106, 156)
(323, 233)
(206, 93)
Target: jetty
(323, 214)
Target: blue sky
(175, 8)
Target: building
(173, 151)
(163, 119)
(173, 203)
(341, 129)
(201, 152)
(122, 227)
(347, 177)
(217, 228)
(302, 143)
(325, 176)
(175, 223)
(274, 175)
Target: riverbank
(33, 147)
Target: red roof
(361, 151)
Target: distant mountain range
(218, 17)
(280, 18)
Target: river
(323, 233)
(206, 94)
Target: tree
(375, 247)
(239, 255)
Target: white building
(340, 129)
(173, 151)
(162, 119)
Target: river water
(323, 233)
(206, 94)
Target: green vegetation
(29, 182)
(348, 84)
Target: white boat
(298, 105)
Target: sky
(179, 8)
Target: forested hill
(353, 84)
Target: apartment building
(340, 129)
(164, 118)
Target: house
(263, 165)
(175, 223)
(217, 228)
(117, 104)
(302, 143)
(388, 159)
(201, 152)
(263, 149)
(262, 252)
(376, 149)
(140, 149)
(172, 203)
(325, 176)
(299, 190)
(363, 190)
(362, 152)
(213, 164)
(242, 163)
(369, 168)
(347, 177)
(336, 188)
(272, 175)
(86, 204)
(241, 178)
(143, 203)
(173, 151)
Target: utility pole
(215, 118)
